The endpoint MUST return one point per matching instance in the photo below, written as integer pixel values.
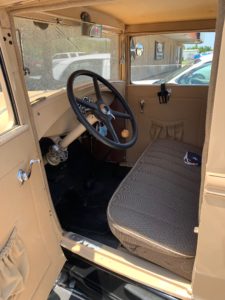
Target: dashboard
(53, 115)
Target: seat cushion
(155, 209)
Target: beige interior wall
(183, 117)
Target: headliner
(154, 11)
(135, 11)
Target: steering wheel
(102, 111)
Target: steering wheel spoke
(97, 90)
(119, 114)
(112, 131)
(86, 104)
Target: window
(176, 58)
(52, 52)
(7, 120)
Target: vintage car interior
(112, 108)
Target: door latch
(22, 175)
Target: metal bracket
(164, 94)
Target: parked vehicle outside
(99, 63)
(58, 57)
(196, 74)
(199, 73)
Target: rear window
(176, 58)
(58, 50)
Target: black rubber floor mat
(81, 189)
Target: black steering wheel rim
(101, 113)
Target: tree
(203, 49)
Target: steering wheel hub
(105, 109)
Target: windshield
(51, 52)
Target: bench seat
(155, 209)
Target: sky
(208, 38)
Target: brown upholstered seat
(155, 209)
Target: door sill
(128, 266)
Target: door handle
(22, 175)
(142, 105)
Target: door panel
(182, 118)
(30, 252)
(24, 210)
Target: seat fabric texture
(155, 209)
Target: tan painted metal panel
(209, 270)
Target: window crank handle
(22, 175)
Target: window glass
(52, 52)
(7, 120)
(176, 58)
